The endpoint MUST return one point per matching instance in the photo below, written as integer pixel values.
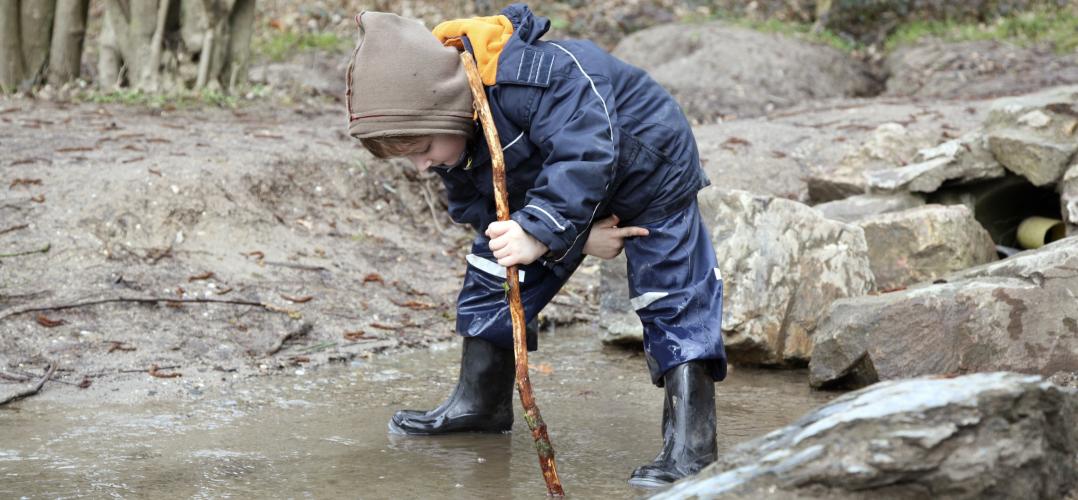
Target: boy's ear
(359, 24)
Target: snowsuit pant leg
(482, 306)
(676, 289)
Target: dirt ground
(215, 244)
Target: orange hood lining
(488, 35)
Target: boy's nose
(421, 163)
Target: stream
(321, 432)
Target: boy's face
(438, 151)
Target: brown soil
(347, 255)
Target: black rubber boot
(688, 427)
(481, 402)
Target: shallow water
(323, 433)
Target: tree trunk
(241, 25)
(68, 33)
(35, 33)
(109, 56)
(11, 67)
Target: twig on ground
(14, 228)
(148, 300)
(33, 390)
(44, 249)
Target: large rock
(782, 263)
(975, 69)
(888, 146)
(860, 206)
(618, 324)
(1036, 135)
(963, 160)
(1068, 189)
(705, 68)
(1017, 314)
(922, 244)
(756, 155)
(980, 436)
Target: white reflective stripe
(514, 141)
(641, 301)
(610, 127)
(609, 124)
(490, 267)
(551, 217)
(718, 274)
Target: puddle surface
(323, 434)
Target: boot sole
(398, 430)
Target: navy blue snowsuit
(586, 135)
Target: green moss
(277, 46)
(803, 31)
(1055, 28)
(179, 99)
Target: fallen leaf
(414, 305)
(543, 368)
(154, 172)
(154, 373)
(38, 199)
(24, 182)
(373, 277)
(198, 277)
(356, 335)
(74, 149)
(119, 346)
(299, 300)
(85, 383)
(49, 323)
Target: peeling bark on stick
(516, 308)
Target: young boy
(599, 158)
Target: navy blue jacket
(584, 135)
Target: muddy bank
(214, 244)
(323, 432)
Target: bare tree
(165, 44)
(40, 40)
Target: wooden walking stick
(516, 308)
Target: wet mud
(321, 431)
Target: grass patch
(803, 31)
(278, 45)
(178, 99)
(1055, 28)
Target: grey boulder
(924, 243)
(860, 206)
(981, 436)
(783, 264)
(705, 68)
(1036, 135)
(962, 160)
(1016, 314)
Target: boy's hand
(606, 238)
(512, 245)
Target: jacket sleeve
(573, 126)
(466, 204)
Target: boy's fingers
(496, 229)
(498, 243)
(607, 222)
(628, 232)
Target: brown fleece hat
(403, 81)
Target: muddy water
(323, 433)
